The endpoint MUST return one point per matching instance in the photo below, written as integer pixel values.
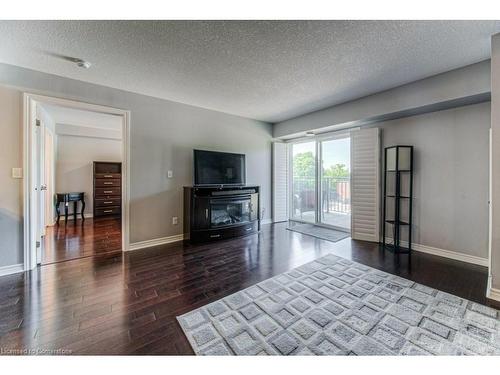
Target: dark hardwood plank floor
(81, 238)
(127, 304)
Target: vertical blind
(365, 184)
(280, 182)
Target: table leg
(75, 206)
(83, 208)
(58, 212)
(66, 212)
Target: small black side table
(66, 198)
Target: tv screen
(218, 168)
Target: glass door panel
(335, 192)
(303, 199)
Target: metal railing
(335, 194)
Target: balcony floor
(337, 219)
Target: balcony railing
(335, 194)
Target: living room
(278, 187)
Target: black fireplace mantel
(215, 213)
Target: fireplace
(230, 211)
(212, 213)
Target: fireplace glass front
(227, 212)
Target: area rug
(319, 232)
(333, 306)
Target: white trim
(492, 293)
(156, 242)
(8, 270)
(445, 253)
(78, 216)
(29, 100)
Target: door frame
(318, 139)
(30, 101)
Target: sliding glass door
(335, 192)
(303, 182)
(320, 182)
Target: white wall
(451, 176)
(75, 156)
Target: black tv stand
(219, 212)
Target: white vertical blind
(280, 182)
(365, 184)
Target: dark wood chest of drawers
(107, 188)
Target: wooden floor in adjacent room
(75, 239)
(127, 304)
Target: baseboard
(445, 253)
(8, 270)
(266, 221)
(492, 293)
(70, 217)
(155, 242)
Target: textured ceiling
(265, 70)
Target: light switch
(170, 174)
(17, 173)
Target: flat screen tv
(218, 168)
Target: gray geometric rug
(333, 306)
(319, 232)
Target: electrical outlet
(175, 220)
(170, 174)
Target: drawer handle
(214, 235)
(108, 176)
(107, 211)
(108, 183)
(108, 191)
(247, 229)
(108, 202)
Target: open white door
(365, 185)
(40, 188)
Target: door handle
(206, 213)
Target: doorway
(320, 182)
(65, 217)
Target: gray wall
(11, 207)
(495, 162)
(162, 137)
(451, 176)
(469, 84)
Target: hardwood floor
(80, 239)
(127, 304)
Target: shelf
(394, 222)
(393, 196)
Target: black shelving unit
(398, 197)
